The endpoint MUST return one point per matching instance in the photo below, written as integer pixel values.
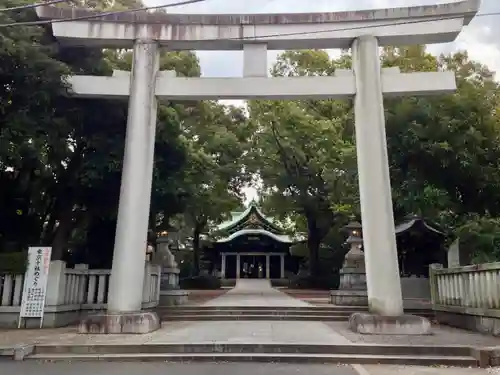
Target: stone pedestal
(173, 297)
(140, 322)
(372, 324)
(349, 297)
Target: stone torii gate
(362, 31)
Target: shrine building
(250, 245)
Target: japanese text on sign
(35, 282)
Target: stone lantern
(352, 289)
(170, 293)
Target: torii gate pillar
(381, 261)
(125, 293)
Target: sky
(478, 38)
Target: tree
(443, 150)
(214, 177)
(304, 152)
(61, 157)
(31, 81)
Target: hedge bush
(200, 282)
(13, 263)
(323, 282)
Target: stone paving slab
(252, 292)
(285, 332)
(442, 335)
(247, 293)
(261, 332)
(418, 370)
(135, 368)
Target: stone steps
(272, 358)
(254, 312)
(271, 312)
(254, 317)
(302, 313)
(289, 353)
(315, 309)
(265, 307)
(6, 351)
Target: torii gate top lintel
(405, 25)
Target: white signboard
(35, 283)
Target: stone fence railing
(468, 296)
(71, 292)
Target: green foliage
(13, 263)
(304, 152)
(61, 157)
(330, 262)
(443, 150)
(481, 236)
(200, 282)
(216, 139)
(325, 282)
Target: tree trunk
(48, 231)
(62, 234)
(313, 242)
(62, 210)
(313, 247)
(196, 250)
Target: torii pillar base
(373, 324)
(139, 322)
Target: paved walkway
(246, 293)
(134, 368)
(158, 368)
(252, 292)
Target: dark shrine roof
(414, 221)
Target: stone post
(127, 275)
(268, 267)
(385, 301)
(384, 288)
(56, 283)
(238, 265)
(282, 264)
(223, 266)
(433, 282)
(255, 60)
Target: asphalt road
(155, 368)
